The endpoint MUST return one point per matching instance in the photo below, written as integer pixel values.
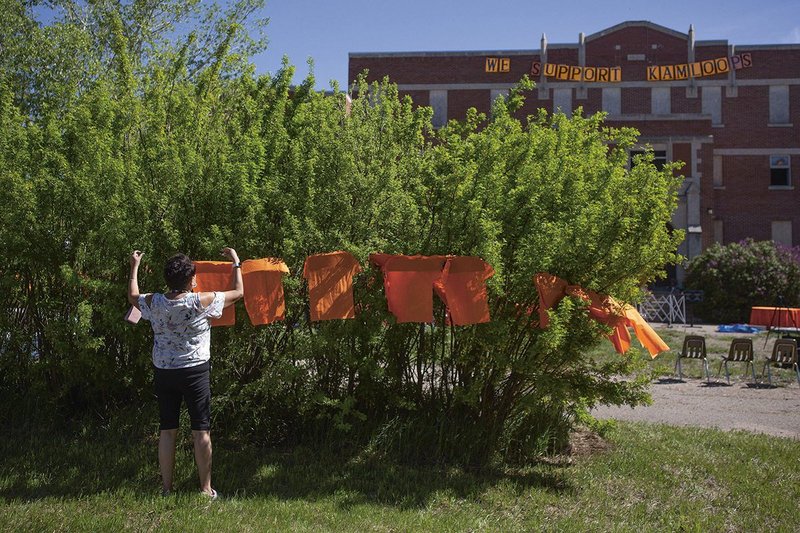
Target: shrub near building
(740, 275)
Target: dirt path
(693, 403)
(775, 411)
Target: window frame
(783, 163)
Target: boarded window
(719, 235)
(660, 101)
(779, 104)
(711, 103)
(718, 171)
(562, 101)
(438, 101)
(782, 232)
(612, 100)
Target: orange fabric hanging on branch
(216, 276)
(602, 308)
(330, 285)
(551, 290)
(263, 289)
(408, 283)
(462, 288)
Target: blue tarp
(739, 328)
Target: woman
(181, 354)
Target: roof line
(637, 23)
(446, 53)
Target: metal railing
(669, 308)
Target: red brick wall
(438, 69)
(770, 64)
(420, 98)
(681, 104)
(459, 101)
(593, 103)
(602, 51)
(747, 206)
(635, 101)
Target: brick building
(730, 112)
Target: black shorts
(191, 384)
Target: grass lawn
(652, 478)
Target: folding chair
(694, 347)
(784, 352)
(741, 351)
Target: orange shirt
(216, 276)
(462, 287)
(330, 285)
(408, 283)
(551, 290)
(263, 289)
(602, 308)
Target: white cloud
(793, 36)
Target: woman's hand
(230, 253)
(136, 258)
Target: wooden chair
(784, 352)
(741, 351)
(694, 347)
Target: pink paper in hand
(133, 315)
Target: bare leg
(166, 456)
(202, 456)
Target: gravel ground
(775, 411)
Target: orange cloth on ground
(216, 276)
(602, 308)
(263, 289)
(330, 285)
(408, 282)
(462, 288)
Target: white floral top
(182, 333)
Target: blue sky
(327, 31)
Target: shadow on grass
(305, 474)
(41, 464)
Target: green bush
(178, 154)
(737, 276)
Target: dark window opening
(779, 175)
(659, 158)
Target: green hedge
(737, 276)
(156, 156)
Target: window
(719, 231)
(494, 94)
(659, 158)
(562, 101)
(779, 167)
(612, 100)
(717, 176)
(782, 232)
(438, 101)
(660, 100)
(779, 104)
(711, 103)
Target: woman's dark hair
(178, 272)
